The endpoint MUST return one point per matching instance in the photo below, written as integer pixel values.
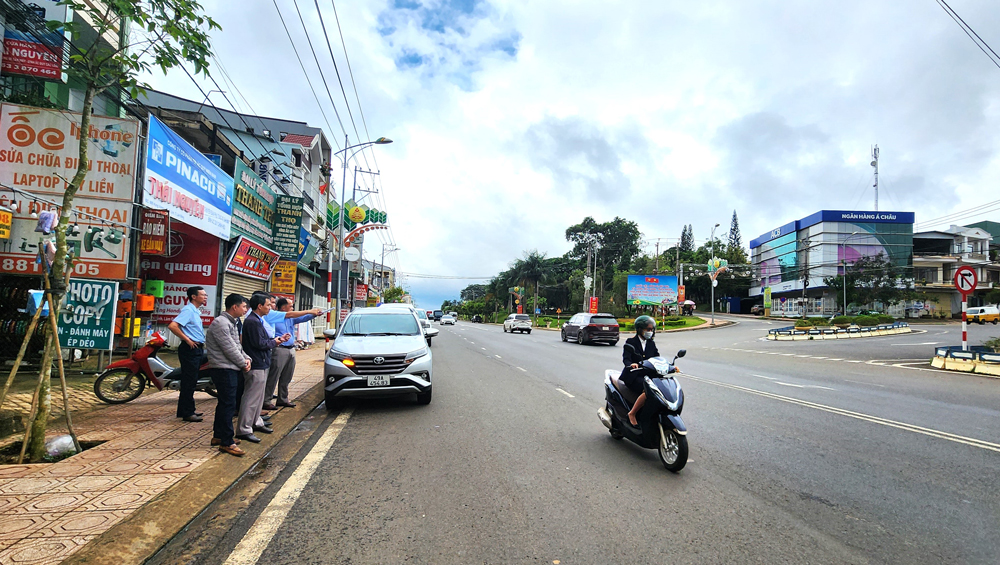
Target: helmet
(643, 322)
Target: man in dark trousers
(283, 358)
(187, 326)
(226, 363)
(257, 344)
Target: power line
(318, 66)
(982, 45)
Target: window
(381, 324)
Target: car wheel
(615, 342)
(424, 397)
(505, 329)
(579, 338)
(429, 342)
(334, 403)
(529, 332)
(995, 322)
(562, 334)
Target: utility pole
(875, 164)
(656, 271)
(805, 273)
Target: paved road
(798, 455)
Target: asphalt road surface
(801, 452)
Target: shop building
(793, 260)
(938, 254)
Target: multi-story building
(936, 257)
(794, 259)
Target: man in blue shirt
(187, 326)
(283, 358)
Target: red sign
(520, 309)
(593, 304)
(966, 280)
(680, 294)
(155, 239)
(193, 261)
(361, 292)
(252, 260)
(30, 58)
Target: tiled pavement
(49, 511)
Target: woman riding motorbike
(637, 349)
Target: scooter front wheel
(119, 386)
(673, 449)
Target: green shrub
(993, 344)
(865, 321)
(804, 323)
(885, 319)
(842, 320)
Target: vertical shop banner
(155, 238)
(253, 206)
(283, 279)
(36, 51)
(361, 292)
(38, 149)
(287, 224)
(6, 218)
(186, 183)
(193, 261)
(87, 317)
(594, 304)
(767, 297)
(649, 290)
(250, 259)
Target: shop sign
(5, 221)
(354, 215)
(38, 149)
(185, 182)
(593, 304)
(283, 278)
(193, 261)
(651, 290)
(36, 51)
(253, 206)
(251, 259)
(767, 297)
(155, 238)
(87, 316)
(287, 225)
(361, 292)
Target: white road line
(787, 354)
(787, 384)
(566, 393)
(863, 383)
(520, 369)
(814, 357)
(764, 377)
(911, 344)
(483, 348)
(256, 540)
(497, 356)
(982, 444)
(834, 359)
(853, 361)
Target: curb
(136, 538)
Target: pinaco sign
(251, 259)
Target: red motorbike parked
(123, 381)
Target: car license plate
(378, 380)
(605, 328)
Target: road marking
(863, 383)
(257, 538)
(497, 356)
(831, 359)
(483, 348)
(566, 393)
(854, 361)
(911, 344)
(764, 377)
(520, 369)
(861, 416)
(472, 342)
(814, 357)
(787, 384)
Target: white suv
(517, 323)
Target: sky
(512, 121)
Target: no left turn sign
(966, 280)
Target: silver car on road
(378, 352)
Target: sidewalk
(50, 511)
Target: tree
(393, 294)
(171, 32)
(734, 248)
(687, 239)
(531, 270)
(873, 280)
(473, 292)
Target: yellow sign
(357, 215)
(283, 278)
(5, 220)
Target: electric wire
(982, 45)
(318, 66)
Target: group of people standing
(247, 359)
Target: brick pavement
(49, 511)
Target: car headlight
(414, 355)
(344, 358)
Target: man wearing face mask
(637, 349)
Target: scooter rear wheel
(119, 386)
(673, 449)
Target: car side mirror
(682, 353)
(330, 333)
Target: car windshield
(402, 323)
(604, 320)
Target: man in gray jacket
(226, 361)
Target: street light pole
(340, 246)
(843, 251)
(712, 281)
(381, 273)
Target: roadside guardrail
(791, 333)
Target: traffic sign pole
(966, 281)
(965, 332)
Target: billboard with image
(651, 290)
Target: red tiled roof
(303, 140)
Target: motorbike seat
(629, 396)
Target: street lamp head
(383, 141)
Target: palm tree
(533, 268)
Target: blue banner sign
(185, 182)
(651, 290)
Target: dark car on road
(437, 314)
(477, 319)
(591, 328)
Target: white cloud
(663, 112)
